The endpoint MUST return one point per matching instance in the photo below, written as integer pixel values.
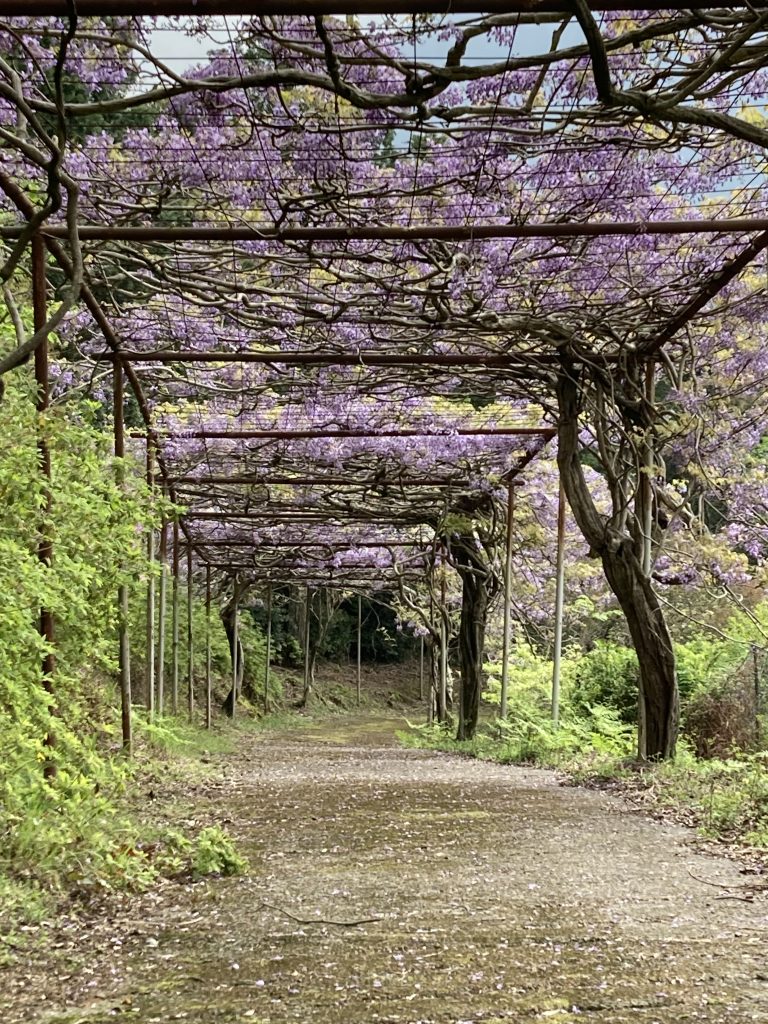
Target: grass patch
(725, 800)
(84, 837)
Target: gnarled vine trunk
(474, 614)
(478, 583)
(658, 698)
(244, 683)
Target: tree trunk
(658, 699)
(659, 702)
(474, 612)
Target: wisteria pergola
(360, 265)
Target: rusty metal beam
(283, 481)
(494, 360)
(280, 435)
(327, 545)
(396, 232)
(123, 8)
(718, 280)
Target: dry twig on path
(320, 920)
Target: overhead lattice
(342, 257)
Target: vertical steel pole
(307, 613)
(162, 601)
(150, 608)
(235, 644)
(124, 650)
(506, 638)
(359, 648)
(559, 602)
(175, 620)
(190, 640)
(421, 668)
(208, 677)
(268, 656)
(646, 483)
(45, 543)
(645, 488)
(444, 641)
(433, 668)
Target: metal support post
(307, 614)
(442, 705)
(421, 668)
(161, 616)
(268, 655)
(506, 637)
(45, 543)
(559, 602)
(175, 620)
(359, 647)
(235, 644)
(149, 674)
(208, 676)
(124, 651)
(190, 639)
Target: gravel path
(497, 896)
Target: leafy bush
(607, 676)
(718, 703)
(62, 828)
(531, 738)
(726, 799)
(215, 854)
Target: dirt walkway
(498, 896)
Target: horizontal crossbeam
(394, 232)
(103, 8)
(280, 435)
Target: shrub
(62, 829)
(607, 676)
(215, 854)
(717, 697)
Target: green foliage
(528, 737)
(173, 735)
(340, 636)
(528, 734)
(607, 676)
(255, 648)
(714, 715)
(62, 829)
(214, 854)
(727, 800)
(67, 829)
